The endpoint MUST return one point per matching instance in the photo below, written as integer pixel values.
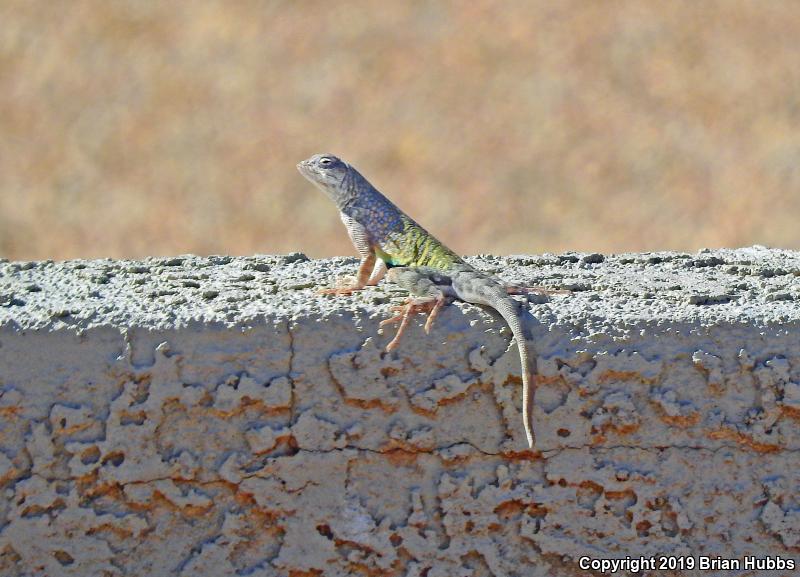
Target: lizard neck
(350, 189)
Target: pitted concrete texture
(215, 416)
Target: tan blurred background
(153, 128)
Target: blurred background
(134, 128)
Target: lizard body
(387, 238)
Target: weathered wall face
(213, 416)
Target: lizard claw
(433, 312)
(392, 320)
(412, 306)
(344, 286)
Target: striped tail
(508, 309)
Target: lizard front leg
(377, 273)
(370, 271)
(427, 296)
(365, 268)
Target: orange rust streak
(743, 439)
(550, 380)
(618, 429)
(72, 430)
(611, 375)
(128, 415)
(681, 420)
(526, 455)
(494, 527)
(514, 507)
(39, 509)
(423, 412)
(159, 501)
(362, 569)
(509, 509)
(402, 457)
(618, 495)
(245, 404)
(119, 532)
(791, 412)
(479, 385)
(371, 404)
(591, 485)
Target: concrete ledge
(214, 416)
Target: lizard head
(328, 173)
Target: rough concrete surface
(215, 416)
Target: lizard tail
(509, 310)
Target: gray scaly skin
(387, 238)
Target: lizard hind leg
(404, 312)
(437, 305)
(427, 298)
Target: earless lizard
(387, 238)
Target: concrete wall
(214, 416)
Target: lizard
(392, 244)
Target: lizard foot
(344, 286)
(404, 312)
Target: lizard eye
(325, 161)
